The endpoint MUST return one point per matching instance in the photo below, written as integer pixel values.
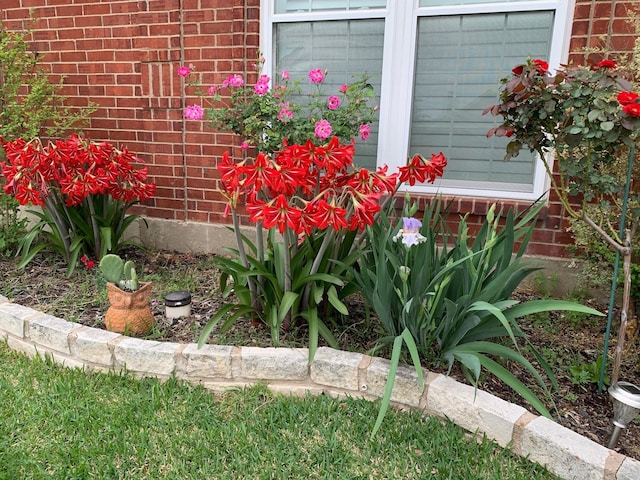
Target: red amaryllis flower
(279, 213)
(414, 171)
(436, 166)
(229, 172)
(364, 209)
(632, 109)
(256, 174)
(335, 157)
(625, 98)
(329, 214)
(420, 169)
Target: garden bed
(571, 343)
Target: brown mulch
(564, 339)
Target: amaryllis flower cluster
(304, 187)
(75, 168)
(85, 190)
(270, 111)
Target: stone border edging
(338, 373)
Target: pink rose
(285, 115)
(316, 75)
(261, 88)
(235, 81)
(365, 131)
(183, 71)
(285, 74)
(333, 102)
(344, 88)
(245, 146)
(194, 112)
(323, 129)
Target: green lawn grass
(62, 423)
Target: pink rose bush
(271, 113)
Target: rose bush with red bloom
(84, 189)
(271, 111)
(314, 204)
(585, 115)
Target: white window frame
(401, 21)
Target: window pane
(344, 48)
(288, 6)
(460, 60)
(441, 3)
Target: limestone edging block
(629, 470)
(146, 356)
(473, 409)
(13, 317)
(51, 332)
(335, 368)
(272, 363)
(93, 345)
(572, 455)
(406, 387)
(210, 361)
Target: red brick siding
(123, 55)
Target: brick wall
(123, 56)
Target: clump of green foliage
(12, 227)
(30, 106)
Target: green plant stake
(614, 284)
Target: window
(437, 65)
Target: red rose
(632, 109)
(90, 264)
(518, 70)
(508, 133)
(607, 64)
(541, 65)
(625, 98)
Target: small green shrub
(12, 227)
(582, 373)
(30, 104)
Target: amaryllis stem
(243, 255)
(94, 227)
(60, 225)
(314, 267)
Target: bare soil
(570, 343)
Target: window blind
(460, 60)
(288, 6)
